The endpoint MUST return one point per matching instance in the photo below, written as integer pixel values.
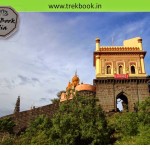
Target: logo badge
(8, 21)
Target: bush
(132, 128)
(80, 121)
(6, 125)
(37, 132)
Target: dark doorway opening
(120, 70)
(132, 70)
(122, 102)
(108, 70)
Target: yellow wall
(130, 54)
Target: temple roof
(85, 87)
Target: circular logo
(8, 21)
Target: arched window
(132, 70)
(108, 70)
(120, 70)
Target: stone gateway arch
(120, 73)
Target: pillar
(97, 44)
(140, 44)
(98, 65)
(142, 63)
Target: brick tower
(120, 74)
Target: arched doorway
(108, 70)
(132, 70)
(120, 70)
(122, 102)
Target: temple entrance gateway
(120, 68)
(122, 102)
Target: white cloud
(39, 57)
(43, 55)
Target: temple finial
(112, 41)
(76, 72)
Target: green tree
(144, 111)
(7, 125)
(80, 121)
(7, 139)
(6, 131)
(132, 127)
(37, 132)
(55, 100)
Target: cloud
(26, 80)
(36, 80)
(23, 79)
(40, 59)
(44, 100)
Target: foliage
(132, 127)
(6, 131)
(80, 121)
(55, 100)
(37, 132)
(144, 111)
(7, 139)
(142, 138)
(6, 125)
(126, 123)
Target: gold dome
(75, 80)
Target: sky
(42, 56)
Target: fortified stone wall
(104, 92)
(87, 93)
(23, 118)
(107, 91)
(143, 90)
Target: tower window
(108, 70)
(132, 70)
(120, 70)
